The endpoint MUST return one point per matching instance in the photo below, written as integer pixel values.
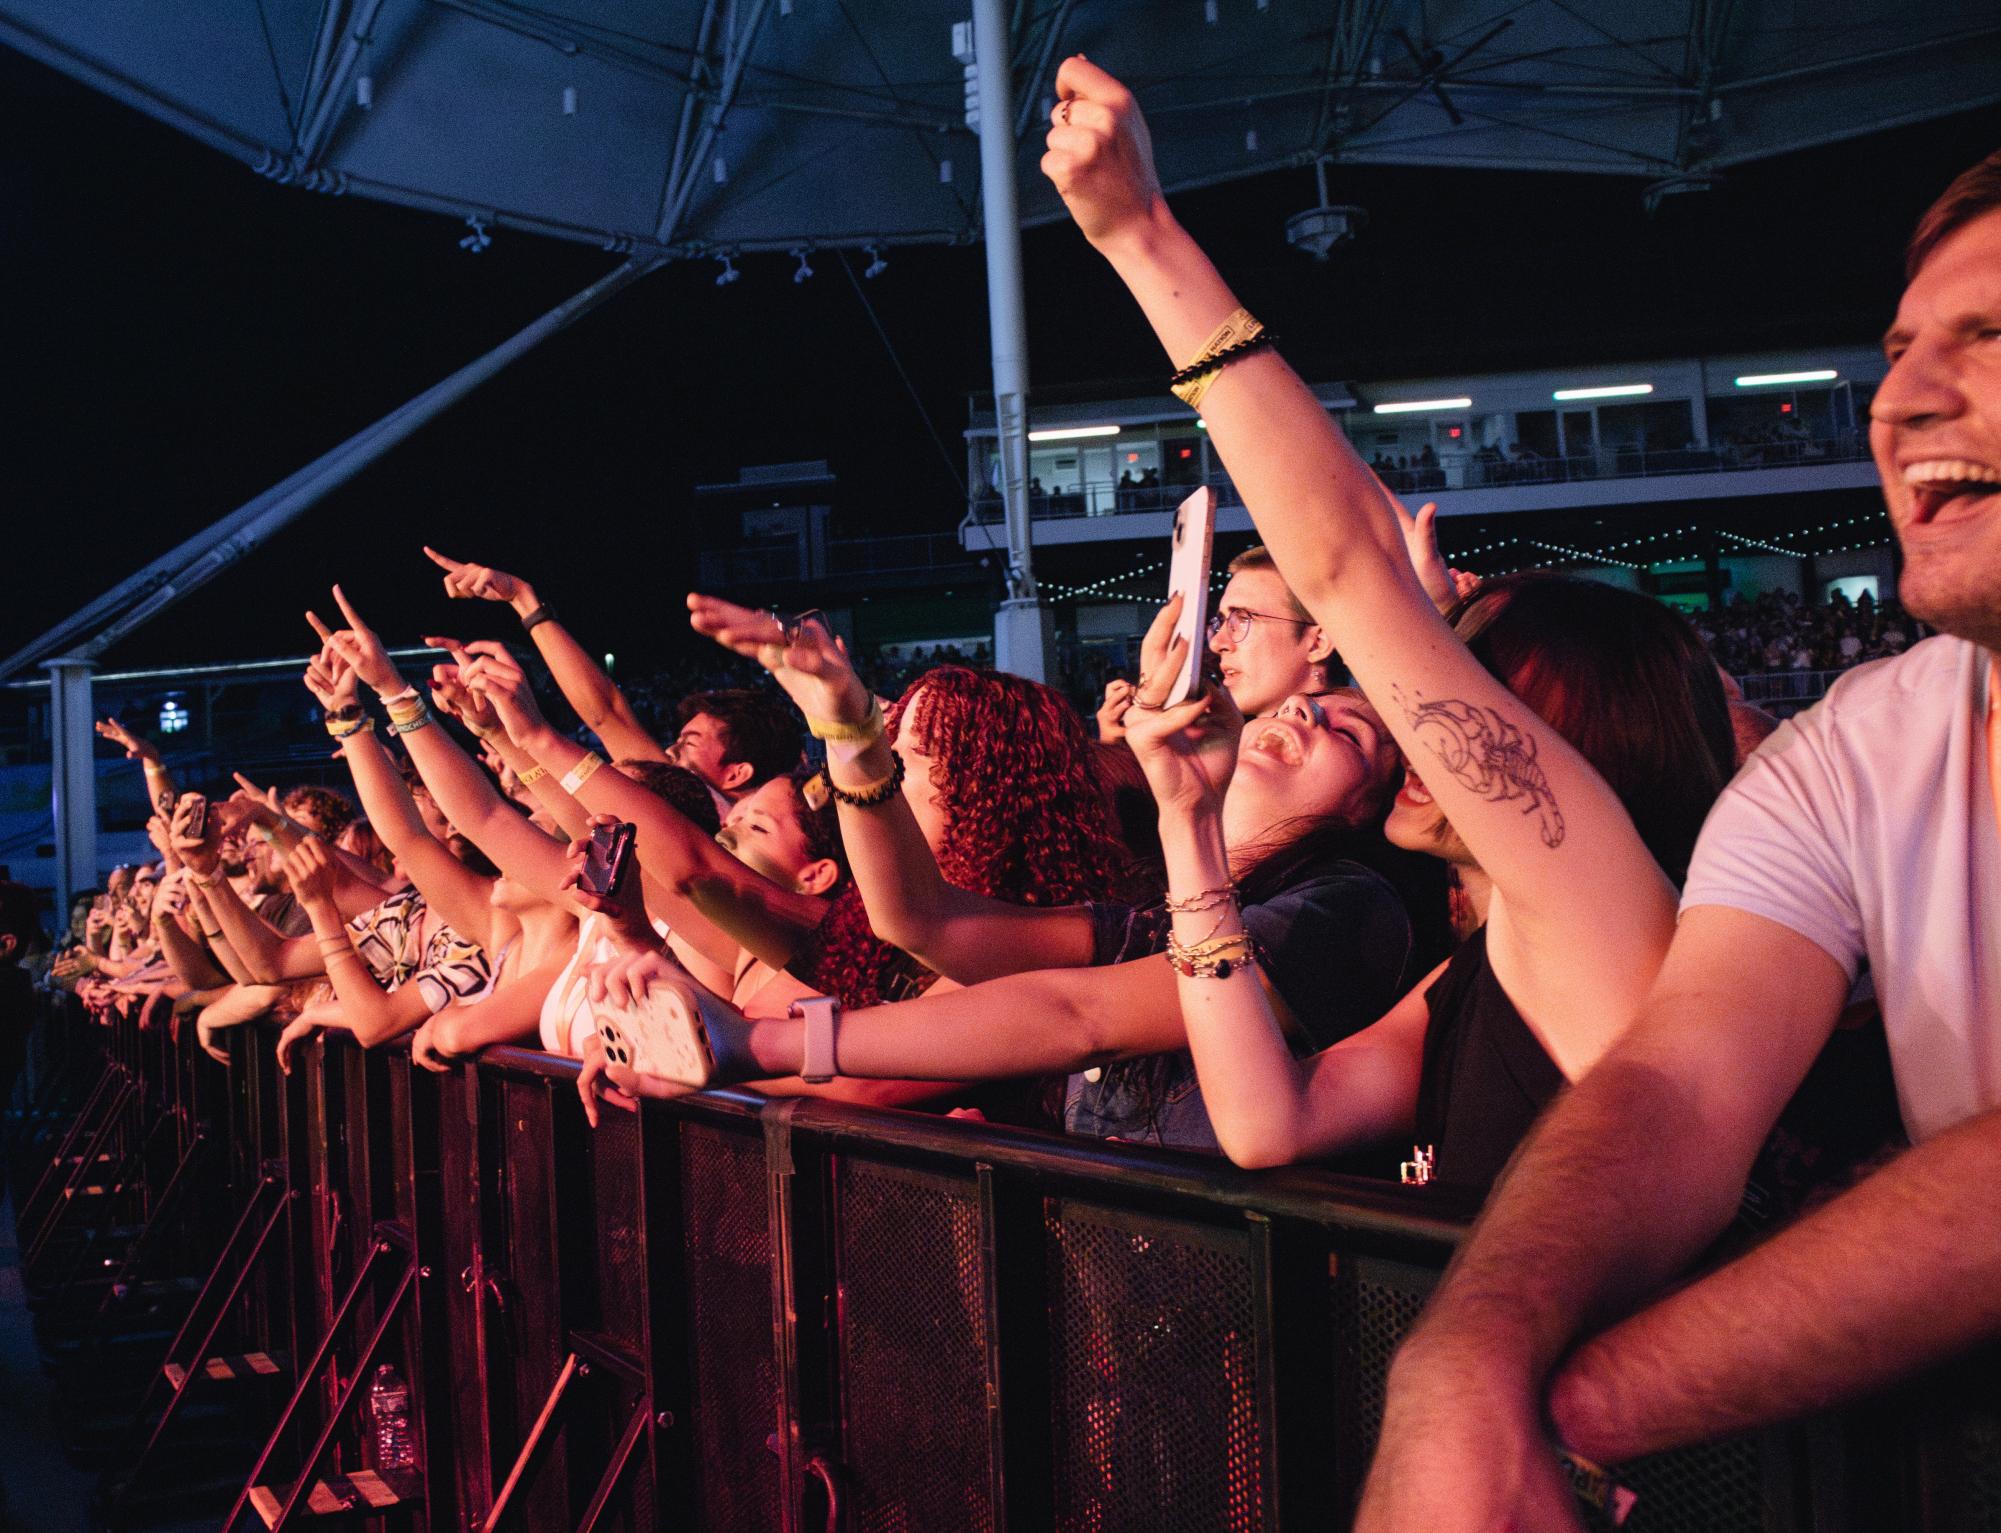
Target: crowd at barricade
(1265, 915)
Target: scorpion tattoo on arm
(1490, 756)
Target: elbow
(1257, 1143)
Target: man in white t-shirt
(1865, 832)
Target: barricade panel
(734, 1385)
(1154, 1375)
(616, 1189)
(912, 1349)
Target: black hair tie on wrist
(541, 614)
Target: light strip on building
(1763, 380)
(1406, 406)
(1605, 391)
(1072, 433)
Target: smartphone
(662, 1036)
(1188, 577)
(604, 864)
(197, 825)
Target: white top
(1867, 825)
(566, 1010)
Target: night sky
(180, 334)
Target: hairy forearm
(254, 940)
(1898, 1272)
(187, 958)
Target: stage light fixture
(476, 241)
(876, 264)
(804, 270)
(728, 274)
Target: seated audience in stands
(1867, 831)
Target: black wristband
(541, 614)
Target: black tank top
(1485, 1078)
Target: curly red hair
(1025, 819)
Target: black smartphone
(604, 864)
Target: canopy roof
(684, 128)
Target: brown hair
(1626, 680)
(1258, 557)
(1972, 193)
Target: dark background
(179, 334)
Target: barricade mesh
(913, 1351)
(1153, 1375)
(1714, 1487)
(735, 1396)
(1375, 1305)
(617, 1187)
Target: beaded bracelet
(875, 794)
(1235, 337)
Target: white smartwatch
(818, 1012)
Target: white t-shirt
(1867, 825)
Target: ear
(9, 942)
(1319, 645)
(818, 877)
(735, 775)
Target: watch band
(819, 1013)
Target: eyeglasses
(1237, 621)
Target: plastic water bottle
(389, 1411)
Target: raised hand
(1420, 540)
(360, 648)
(1100, 156)
(329, 677)
(200, 853)
(450, 693)
(802, 655)
(1189, 751)
(490, 673)
(624, 909)
(1112, 711)
(310, 871)
(477, 580)
(135, 748)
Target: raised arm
(160, 791)
(450, 693)
(713, 901)
(584, 685)
(1565, 859)
(372, 1014)
(455, 891)
(964, 936)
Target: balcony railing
(1109, 498)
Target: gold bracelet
(1207, 899)
(580, 774)
(532, 776)
(1214, 958)
(867, 732)
(1236, 331)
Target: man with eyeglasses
(1268, 649)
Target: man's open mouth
(1942, 486)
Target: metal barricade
(753, 1316)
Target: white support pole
(73, 777)
(1021, 627)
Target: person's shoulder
(1922, 676)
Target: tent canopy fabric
(696, 127)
